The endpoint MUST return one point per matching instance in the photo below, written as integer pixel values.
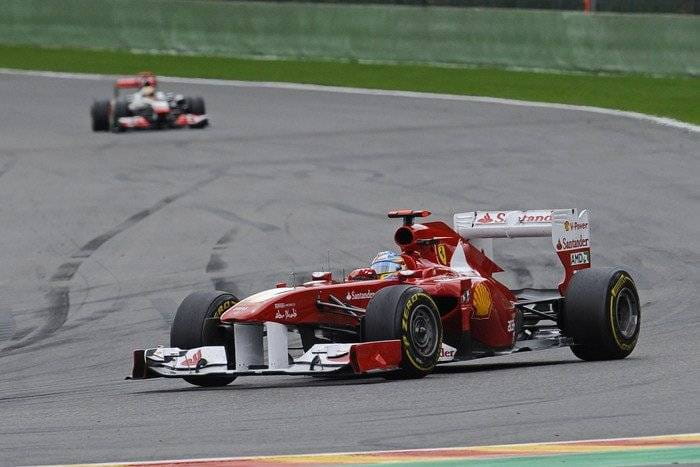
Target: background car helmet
(148, 90)
(387, 263)
(148, 79)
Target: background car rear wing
(128, 83)
(569, 230)
(135, 82)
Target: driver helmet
(148, 84)
(148, 90)
(387, 264)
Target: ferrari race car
(146, 108)
(443, 305)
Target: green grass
(674, 96)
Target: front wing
(183, 120)
(360, 358)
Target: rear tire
(602, 314)
(196, 325)
(408, 314)
(100, 115)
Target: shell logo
(482, 300)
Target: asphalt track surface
(104, 234)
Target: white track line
(669, 122)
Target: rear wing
(128, 83)
(569, 230)
(135, 82)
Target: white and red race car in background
(145, 111)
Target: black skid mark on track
(58, 296)
(217, 265)
(66, 271)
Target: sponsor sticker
(447, 353)
(442, 254)
(285, 310)
(487, 219)
(572, 226)
(286, 314)
(352, 295)
(565, 244)
(581, 257)
(192, 360)
(481, 297)
(525, 217)
(535, 218)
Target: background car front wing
(140, 122)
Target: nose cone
(248, 308)
(240, 311)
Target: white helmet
(148, 90)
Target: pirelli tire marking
(613, 299)
(223, 306)
(422, 364)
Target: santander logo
(486, 219)
(564, 244)
(352, 295)
(525, 217)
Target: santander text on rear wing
(569, 230)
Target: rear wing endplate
(569, 230)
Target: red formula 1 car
(444, 305)
(146, 108)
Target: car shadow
(294, 382)
(354, 380)
(468, 367)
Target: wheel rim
(626, 313)
(423, 331)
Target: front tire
(196, 107)
(408, 314)
(196, 325)
(602, 314)
(100, 115)
(121, 109)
